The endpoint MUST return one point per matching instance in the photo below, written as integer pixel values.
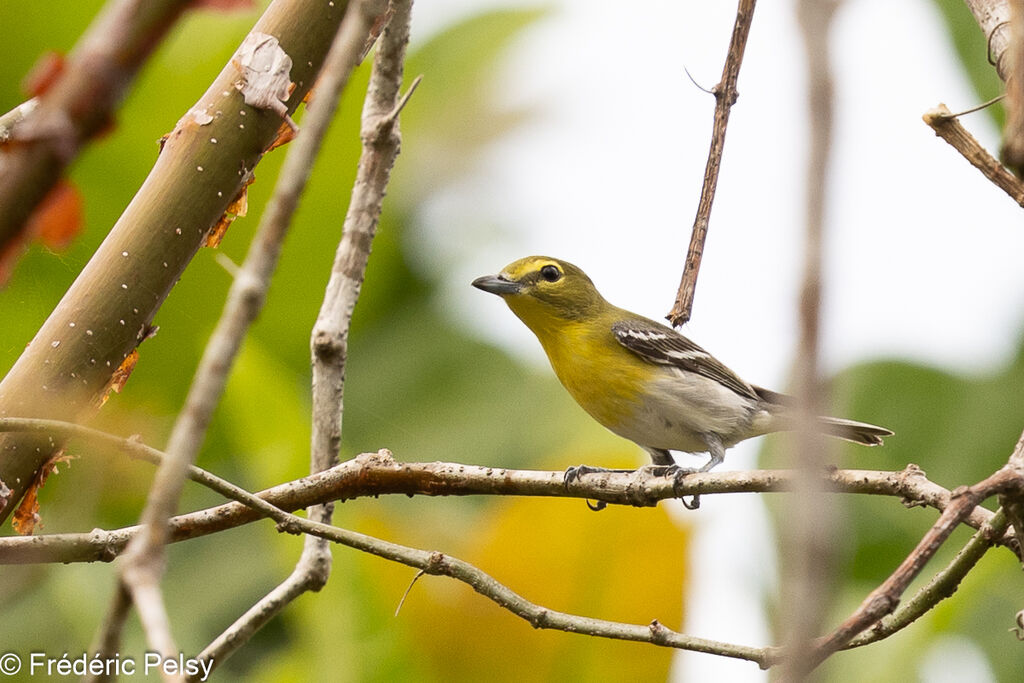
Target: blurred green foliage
(423, 388)
(417, 384)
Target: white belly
(678, 410)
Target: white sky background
(922, 252)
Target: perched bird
(641, 379)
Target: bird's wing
(664, 346)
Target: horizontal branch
(428, 562)
(375, 474)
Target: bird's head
(543, 291)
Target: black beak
(497, 284)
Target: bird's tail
(848, 430)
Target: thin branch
(884, 599)
(942, 585)
(725, 96)
(330, 332)
(107, 643)
(949, 128)
(808, 554)
(1013, 130)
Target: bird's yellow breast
(606, 379)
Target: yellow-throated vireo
(641, 379)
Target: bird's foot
(574, 473)
(678, 474)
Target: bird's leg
(716, 449)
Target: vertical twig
(810, 519)
(330, 333)
(107, 643)
(725, 96)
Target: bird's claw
(574, 473)
(678, 474)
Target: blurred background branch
(78, 104)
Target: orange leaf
(26, 517)
(44, 73)
(55, 222)
(59, 218)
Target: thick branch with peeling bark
(110, 307)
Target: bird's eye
(550, 273)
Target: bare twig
(942, 585)
(107, 643)
(883, 599)
(436, 563)
(807, 533)
(947, 127)
(725, 96)
(329, 337)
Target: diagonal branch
(942, 585)
(725, 96)
(948, 127)
(884, 599)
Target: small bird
(641, 379)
